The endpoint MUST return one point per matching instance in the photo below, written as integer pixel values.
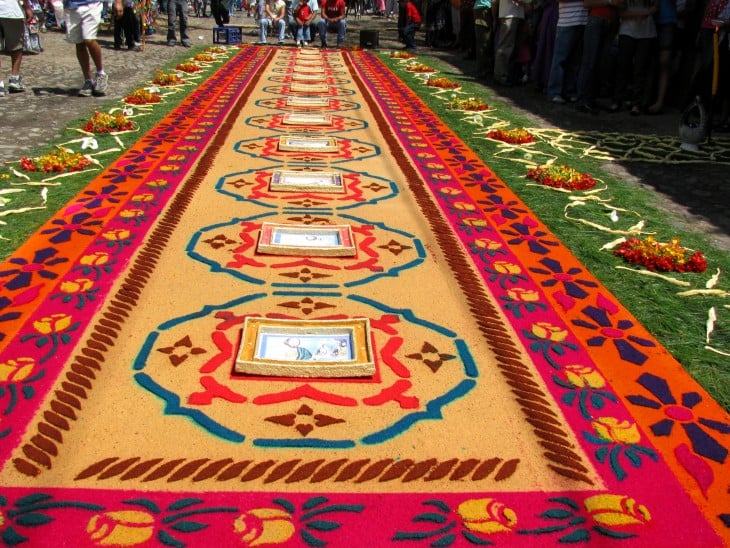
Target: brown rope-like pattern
(67, 400)
(297, 470)
(560, 451)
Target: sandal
(635, 111)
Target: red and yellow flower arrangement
(214, 49)
(401, 55)
(561, 176)
(512, 136)
(419, 67)
(659, 257)
(473, 104)
(142, 97)
(189, 67)
(166, 79)
(101, 122)
(203, 58)
(442, 82)
(60, 161)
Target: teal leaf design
(311, 540)
(65, 339)
(41, 342)
(332, 508)
(446, 540)
(633, 458)
(566, 501)
(556, 513)
(431, 516)
(32, 499)
(188, 526)
(577, 520)
(33, 519)
(145, 503)
(475, 540)
(322, 525)
(601, 454)
(315, 501)
(28, 392)
(568, 398)
(184, 503)
(11, 537)
(286, 505)
(419, 535)
(579, 535)
(438, 504)
(612, 534)
(168, 540)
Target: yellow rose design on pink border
(486, 516)
(16, 370)
(614, 510)
(121, 528)
(612, 429)
(549, 332)
(264, 526)
(584, 375)
(55, 323)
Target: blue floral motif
(571, 283)
(495, 204)
(624, 342)
(537, 241)
(80, 223)
(93, 200)
(682, 413)
(23, 275)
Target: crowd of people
(640, 56)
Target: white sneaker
(2, 89)
(101, 83)
(15, 85)
(87, 89)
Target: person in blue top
(82, 25)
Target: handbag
(32, 38)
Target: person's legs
(183, 16)
(483, 42)
(564, 40)
(323, 33)
(506, 41)
(263, 29)
(281, 27)
(171, 21)
(341, 28)
(593, 36)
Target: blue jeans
(177, 9)
(566, 56)
(264, 25)
(340, 27)
(409, 35)
(596, 37)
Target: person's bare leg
(82, 54)
(94, 50)
(15, 58)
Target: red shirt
(334, 8)
(412, 15)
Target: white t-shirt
(275, 7)
(10, 9)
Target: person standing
(13, 16)
(567, 51)
(413, 24)
(177, 9)
(511, 18)
(333, 19)
(82, 19)
(484, 38)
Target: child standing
(412, 24)
(302, 15)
